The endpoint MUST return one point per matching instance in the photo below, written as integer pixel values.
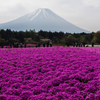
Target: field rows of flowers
(92, 49)
(49, 74)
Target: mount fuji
(42, 19)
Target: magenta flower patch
(57, 73)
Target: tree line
(58, 38)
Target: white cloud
(94, 3)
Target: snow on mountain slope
(42, 19)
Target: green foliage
(2, 41)
(62, 41)
(34, 42)
(55, 40)
(12, 40)
(59, 38)
(31, 42)
(70, 39)
(84, 39)
(96, 37)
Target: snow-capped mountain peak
(42, 19)
(41, 12)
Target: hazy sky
(82, 13)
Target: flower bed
(92, 49)
(49, 74)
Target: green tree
(12, 40)
(2, 42)
(84, 39)
(70, 39)
(96, 37)
(37, 38)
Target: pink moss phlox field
(92, 49)
(55, 73)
